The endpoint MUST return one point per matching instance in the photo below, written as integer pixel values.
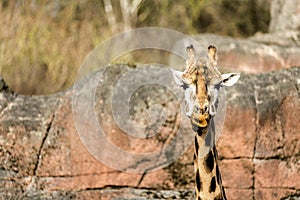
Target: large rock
(43, 157)
(257, 54)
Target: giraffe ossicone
(202, 81)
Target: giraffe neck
(207, 174)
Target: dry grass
(42, 47)
(43, 42)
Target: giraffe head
(201, 81)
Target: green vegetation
(42, 43)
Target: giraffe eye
(205, 108)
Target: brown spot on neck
(209, 162)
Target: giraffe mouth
(201, 121)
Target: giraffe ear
(177, 76)
(179, 80)
(230, 79)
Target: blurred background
(43, 42)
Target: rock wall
(257, 54)
(42, 156)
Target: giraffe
(201, 81)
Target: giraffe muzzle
(201, 121)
